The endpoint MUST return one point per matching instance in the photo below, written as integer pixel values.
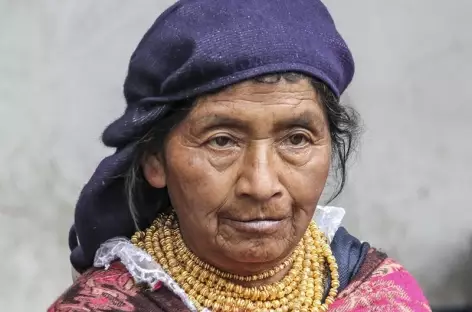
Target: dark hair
(343, 123)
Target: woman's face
(245, 171)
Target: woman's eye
(222, 142)
(298, 139)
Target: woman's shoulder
(99, 290)
(112, 289)
(381, 282)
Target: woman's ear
(153, 170)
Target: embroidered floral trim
(140, 265)
(100, 291)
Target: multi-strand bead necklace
(301, 289)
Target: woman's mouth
(260, 226)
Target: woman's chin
(263, 252)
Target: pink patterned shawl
(387, 288)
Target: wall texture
(62, 64)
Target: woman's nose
(258, 177)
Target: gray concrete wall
(62, 64)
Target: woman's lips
(265, 226)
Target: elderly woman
(210, 203)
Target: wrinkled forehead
(253, 103)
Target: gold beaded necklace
(207, 287)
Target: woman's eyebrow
(306, 119)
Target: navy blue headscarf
(198, 46)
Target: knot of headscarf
(194, 47)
